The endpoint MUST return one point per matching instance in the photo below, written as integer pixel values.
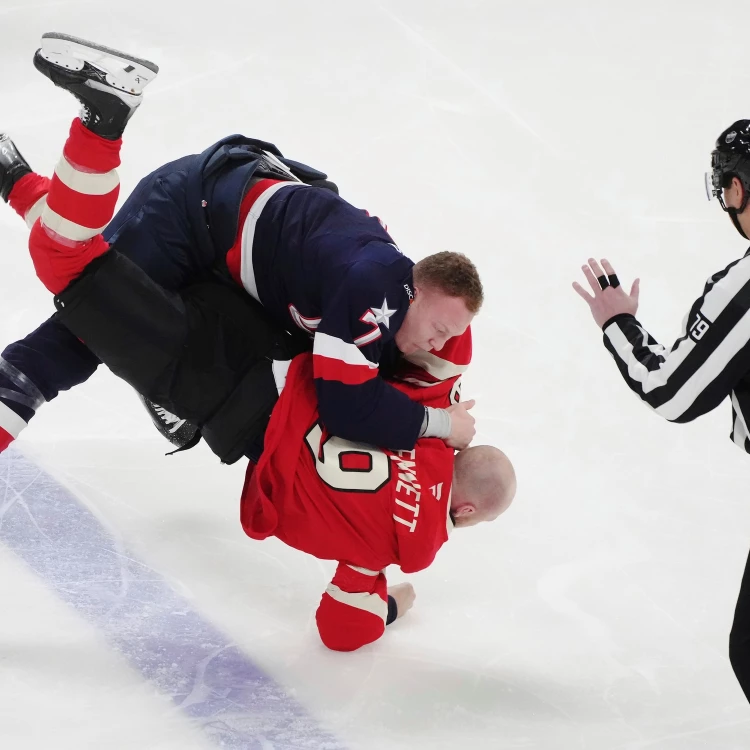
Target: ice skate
(181, 433)
(107, 83)
(12, 166)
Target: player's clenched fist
(462, 425)
(609, 298)
(404, 595)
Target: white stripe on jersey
(740, 433)
(439, 368)
(417, 381)
(368, 338)
(715, 301)
(88, 183)
(725, 290)
(247, 272)
(66, 229)
(648, 379)
(10, 421)
(371, 603)
(735, 340)
(333, 348)
(364, 571)
(280, 370)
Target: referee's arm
(704, 364)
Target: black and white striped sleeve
(704, 364)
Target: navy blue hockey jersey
(318, 263)
(315, 262)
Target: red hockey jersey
(365, 507)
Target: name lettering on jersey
(306, 324)
(408, 489)
(437, 490)
(409, 293)
(699, 328)
(375, 317)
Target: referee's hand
(609, 298)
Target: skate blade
(123, 71)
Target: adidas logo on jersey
(437, 490)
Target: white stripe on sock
(35, 212)
(67, 229)
(10, 421)
(88, 183)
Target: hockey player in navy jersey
(240, 212)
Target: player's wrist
(436, 423)
(392, 610)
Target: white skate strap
(124, 71)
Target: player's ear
(463, 510)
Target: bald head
(484, 485)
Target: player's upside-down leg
(204, 353)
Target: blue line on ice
(236, 704)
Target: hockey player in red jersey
(335, 499)
(369, 508)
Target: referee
(711, 359)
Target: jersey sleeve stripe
(714, 365)
(371, 603)
(368, 338)
(739, 432)
(725, 288)
(331, 347)
(334, 359)
(657, 372)
(364, 571)
(672, 381)
(333, 369)
(436, 366)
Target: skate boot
(107, 83)
(12, 166)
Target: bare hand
(612, 299)
(462, 425)
(404, 595)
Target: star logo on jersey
(383, 314)
(375, 317)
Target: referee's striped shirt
(710, 360)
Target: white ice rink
(595, 614)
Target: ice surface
(595, 614)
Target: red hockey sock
(27, 192)
(5, 439)
(80, 203)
